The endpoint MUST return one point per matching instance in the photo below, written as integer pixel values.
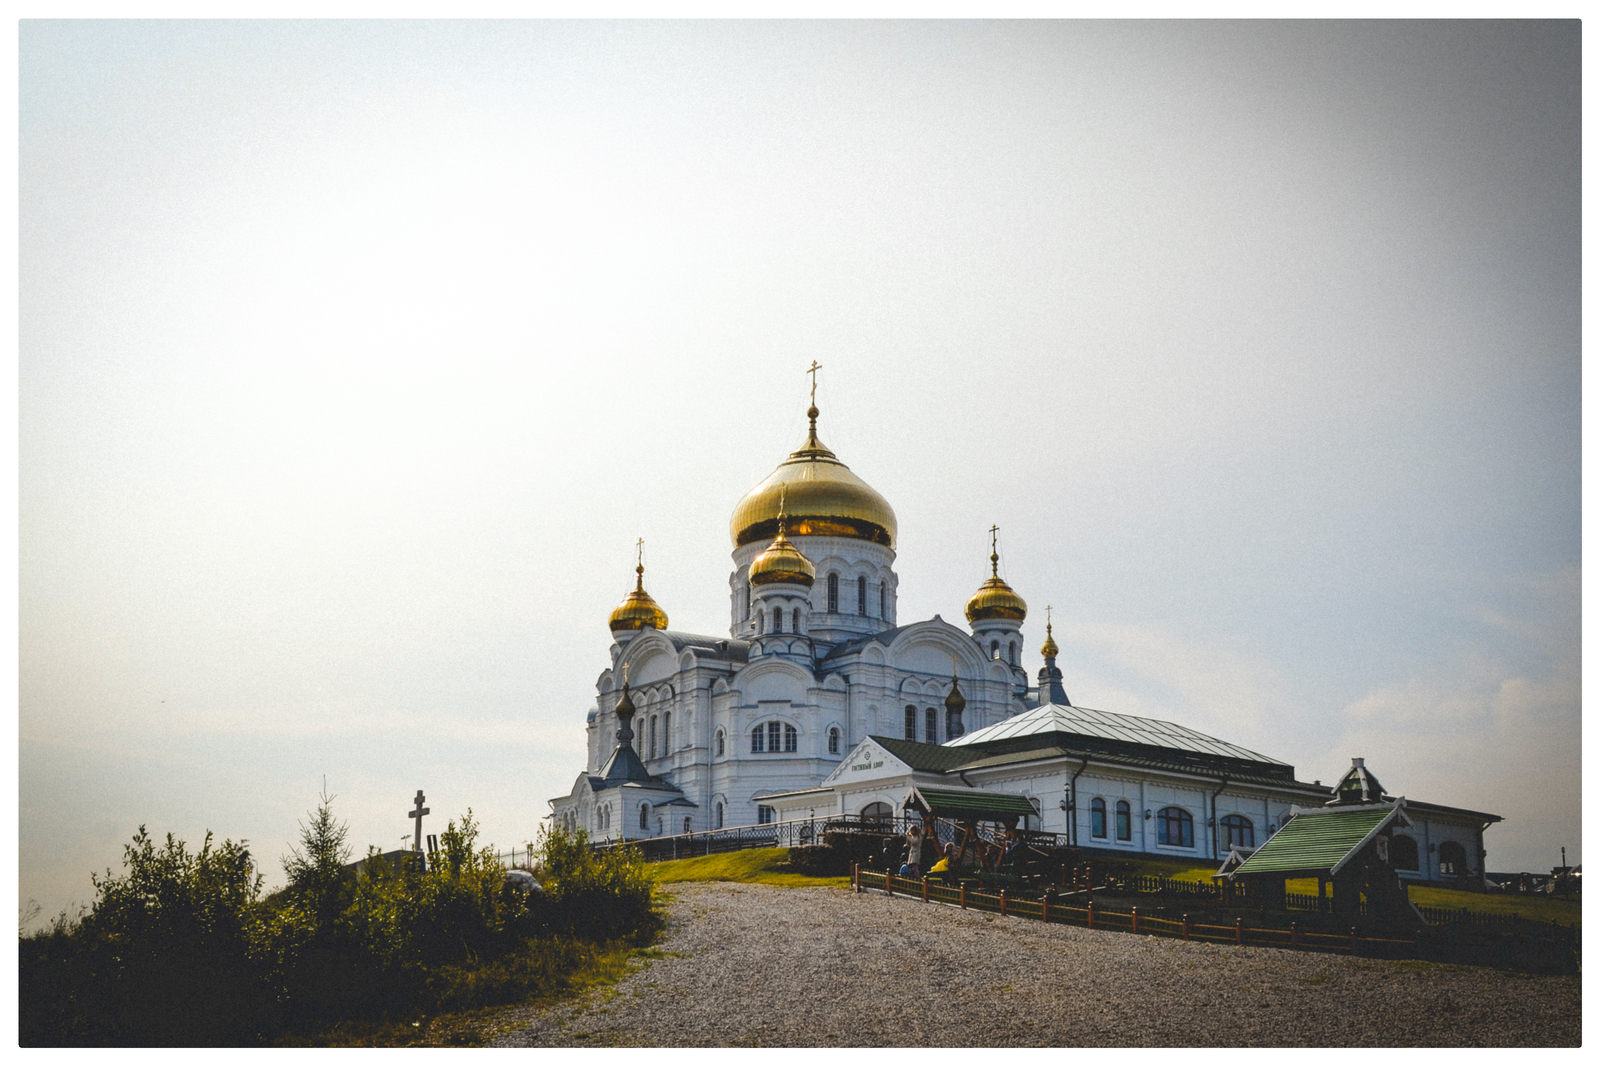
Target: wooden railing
(1540, 948)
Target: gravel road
(753, 965)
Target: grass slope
(756, 866)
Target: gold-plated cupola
(637, 610)
(995, 598)
(782, 562)
(825, 499)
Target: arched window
(952, 725)
(1097, 818)
(774, 736)
(758, 740)
(644, 816)
(1403, 851)
(994, 649)
(761, 622)
(1124, 821)
(883, 600)
(1013, 653)
(791, 738)
(718, 817)
(861, 596)
(930, 726)
(796, 620)
(653, 722)
(1175, 827)
(1238, 832)
(881, 813)
(833, 593)
(777, 619)
(833, 741)
(722, 742)
(911, 722)
(1452, 859)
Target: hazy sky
(356, 356)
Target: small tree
(318, 880)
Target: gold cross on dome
(815, 366)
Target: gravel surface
(754, 965)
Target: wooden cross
(416, 816)
(815, 366)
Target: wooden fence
(1545, 949)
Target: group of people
(915, 843)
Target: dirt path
(752, 965)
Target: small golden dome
(637, 610)
(1050, 650)
(824, 499)
(782, 563)
(995, 598)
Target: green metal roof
(932, 758)
(952, 803)
(1316, 841)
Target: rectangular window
(911, 722)
(833, 593)
(1097, 818)
(774, 735)
(931, 727)
(1124, 822)
(883, 600)
(758, 740)
(765, 815)
(861, 596)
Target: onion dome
(1050, 649)
(637, 610)
(782, 563)
(995, 598)
(955, 703)
(824, 499)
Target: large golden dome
(995, 598)
(820, 497)
(782, 563)
(637, 609)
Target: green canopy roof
(961, 803)
(1317, 841)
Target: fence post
(1186, 927)
(1352, 940)
(963, 895)
(1044, 908)
(855, 876)
(1091, 913)
(1294, 935)
(1136, 921)
(924, 889)
(888, 881)
(1002, 901)
(1238, 930)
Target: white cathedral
(818, 703)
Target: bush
(182, 949)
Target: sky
(355, 357)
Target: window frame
(861, 595)
(1097, 818)
(1124, 815)
(833, 740)
(833, 593)
(1177, 816)
(1237, 825)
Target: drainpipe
(1214, 826)
(1072, 803)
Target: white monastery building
(819, 703)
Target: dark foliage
(182, 950)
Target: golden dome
(1050, 650)
(637, 609)
(822, 498)
(782, 563)
(995, 598)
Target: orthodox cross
(416, 816)
(994, 550)
(815, 366)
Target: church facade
(820, 702)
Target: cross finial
(994, 550)
(640, 568)
(783, 495)
(815, 366)
(1047, 618)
